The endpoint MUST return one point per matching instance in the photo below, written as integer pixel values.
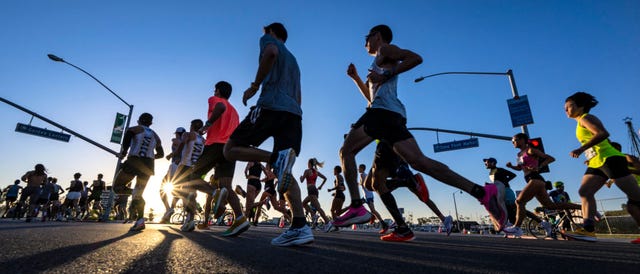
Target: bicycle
(180, 215)
(556, 220)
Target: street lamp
(58, 59)
(509, 73)
(455, 206)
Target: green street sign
(118, 128)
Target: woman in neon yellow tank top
(604, 162)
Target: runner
(530, 161)
(139, 164)
(71, 202)
(222, 120)
(604, 162)
(97, 187)
(34, 179)
(168, 178)
(270, 197)
(190, 149)
(277, 114)
(368, 196)
(55, 200)
(311, 175)
(501, 177)
(252, 172)
(12, 195)
(385, 119)
(338, 196)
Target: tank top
(76, 186)
(527, 160)
(192, 151)
(385, 95)
(598, 154)
(311, 178)
(255, 170)
(143, 144)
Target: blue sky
(164, 57)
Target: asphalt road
(88, 247)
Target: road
(83, 247)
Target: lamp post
(455, 206)
(58, 59)
(509, 74)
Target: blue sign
(42, 132)
(520, 111)
(472, 142)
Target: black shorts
(213, 157)
(255, 183)
(313, 190)
(386, 158)
(269, 187)
(142, 167)
(260, 124)
(339, 195)
(533, 176)
(95, 196)
(42, 201)
(11, 199)
(30, 191)
(385, 125)
(613, 168)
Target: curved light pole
(509, 73)
(58, 59)
(455, 206)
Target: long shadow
(45, 260)
(156, 260)
(24, 226)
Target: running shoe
(355, 215)
(188, 226)
(396, 236)
(138, 225)
(516, 231)
(636, 241)
(282, 167)
(219, 199)
(384, 229)
(238, 226)
(240, 191)
(448, 224)
(294, 236)
(581, 234)
(493, 205)
(421, 189)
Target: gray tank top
(386, 94)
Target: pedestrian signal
(537, 144)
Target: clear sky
(165, 56)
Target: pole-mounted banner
(118, 128)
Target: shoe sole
(398, 240)
(356, 220)
(297, 242)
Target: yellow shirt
(597, 154)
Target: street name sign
(43, 132)
(468, 143)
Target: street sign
(468, 143)
(118, 128)
(43, 132)
(520, 111)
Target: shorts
(54, 197)
(255, 183)
(260, 124)
(269, 187)
(213, 157)
(74, 195)
(533, 176)
(614, 167)
(312, 190)
(11, 199)
(141, 167)
(33, 192)
(42, 201)
(339, 195)
(385, 125)
(369, 200)
(386, 158)
(95, 196)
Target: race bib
(590, 153)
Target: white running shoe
(513, 230)
(294, 236)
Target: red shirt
(222, 128)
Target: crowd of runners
(222, 140)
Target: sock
(477, 191)
(356, 203)
(298, 222)
(390, 203)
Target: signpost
(468, 143)
(43, 132)
(520, 111)
(118, 128)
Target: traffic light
(537, 144)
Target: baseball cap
(180, 130)
(490, 159)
